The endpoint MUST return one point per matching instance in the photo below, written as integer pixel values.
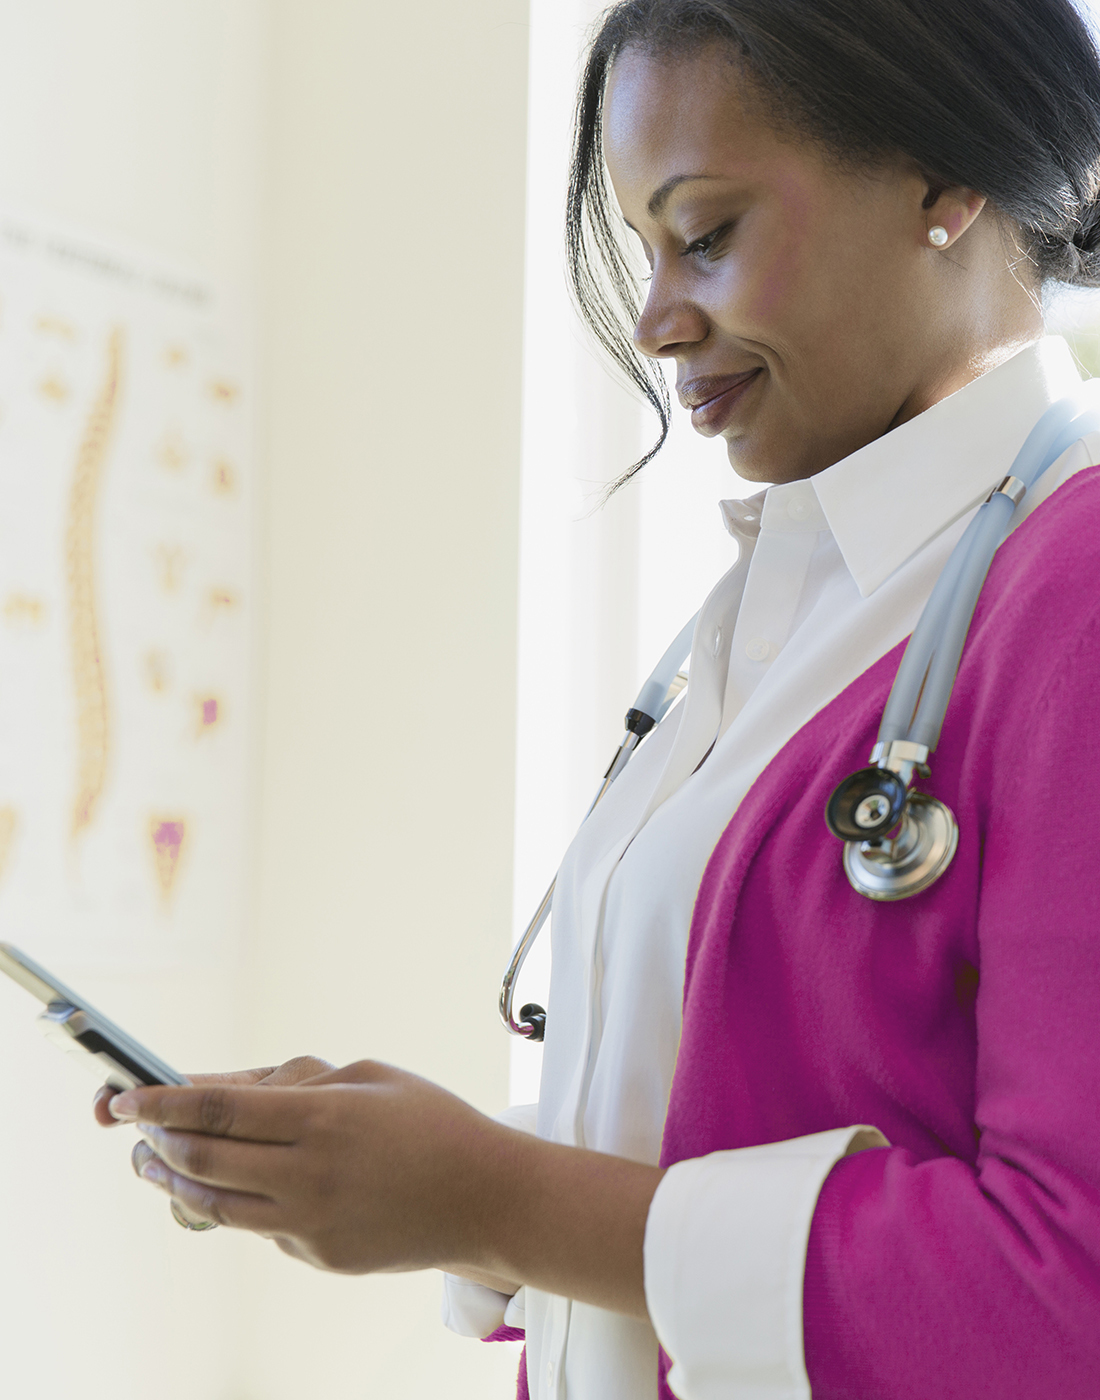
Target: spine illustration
(89, 683)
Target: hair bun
(1075, 259)
(1086, 238)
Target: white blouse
(833, 573)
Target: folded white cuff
(471, 1309)
(725, 1259)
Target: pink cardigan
(964, 1260)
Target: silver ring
(181, 1219)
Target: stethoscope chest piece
(910, 859)
(898, 841)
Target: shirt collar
(889, 499)
(741, 517)
(792, 508)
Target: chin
(758, 465)
(751, 465)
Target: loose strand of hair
(598, 263)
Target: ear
(953, 209)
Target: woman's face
(802, 302)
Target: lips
(713, 399)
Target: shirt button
(716, 643)
(758, 649)
(798, 509)
(549, 1373)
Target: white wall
(355, 170)
(393, 274)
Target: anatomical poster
(125, 601)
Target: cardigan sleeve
(944, 1278)
(965, 1271)
(725, 1249)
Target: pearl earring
(938, 236)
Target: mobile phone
(80, 1030)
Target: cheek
(781, 262)
(776, 283)
(812, 296)
(764, 296)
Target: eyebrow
(659, 196)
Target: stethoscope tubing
(922, 687)
(653, 702)
(527, 1026)
(656, 696)
(918, 700)
(994, 518)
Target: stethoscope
(651, 706)
(897, 839)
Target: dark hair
(999, 96)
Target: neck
(957, 373)
(991, 313)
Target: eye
(705, 246)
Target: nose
(668, 320)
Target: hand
(356, 1170)
(291, 1072)
(368, 1169)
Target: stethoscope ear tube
(532, 1022)
(654, 699)
(659, 691)
(898, 841)
(894, 851)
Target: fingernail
(123, 1107)
(152, 1171)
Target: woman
(814, 1141)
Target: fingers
(298, 1070)
(361, 1072)
(106, 1118)
(101, 1107)
(254, 1112)
(294, 1071)
(257, 1168)
(235, 1209)
(179, 1213)
(289, 1246)
(140, 1153)
(302, 1069)
(236, 1076)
